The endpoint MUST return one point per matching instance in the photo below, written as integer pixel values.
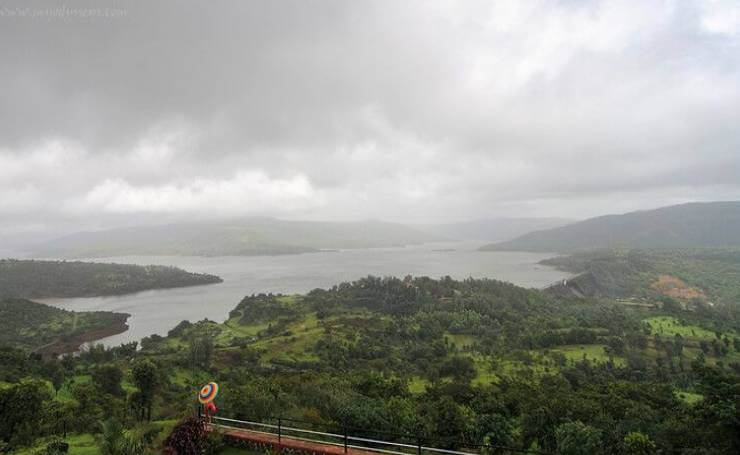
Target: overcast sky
(400, 110)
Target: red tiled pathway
(289, 443)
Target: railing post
(345, 439)
(280, 430)
(418, 446)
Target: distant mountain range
(492, 229)
(693, 225)
(249, 236)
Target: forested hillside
(687, 277)
(458, 362)
(241, 237)
(38, 279)
(695, 225)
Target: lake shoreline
(158, 311)
(61, 347)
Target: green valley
(456, 361)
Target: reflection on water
(158, 311)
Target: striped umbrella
(208, 392)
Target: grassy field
(689, 397)
(670, 326)
(295, 343)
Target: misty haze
(439, 227)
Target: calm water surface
(158, 311)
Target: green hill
(694, 225)
(247, 237)
(492, 229)
(38, 279)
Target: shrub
(188, 437)
(577, 438)
(636, 443)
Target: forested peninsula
(51, 331)
(33, 279)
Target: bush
(117, 441)
(189, 437)
(56, 447)
(577, 438)
(636, 443)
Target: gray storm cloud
(409, 111)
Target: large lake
(158, 311)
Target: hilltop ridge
(240, 237)
(692, 225)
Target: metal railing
(399, 445)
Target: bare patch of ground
(675, 287)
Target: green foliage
(144, 373)
(458, 367)
(22, 408)
(108, 378)
(263, 308)
(577, 438)
(201, 350)
(636, 443)
(117, 441)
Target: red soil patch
(675, 287)
(73, 344)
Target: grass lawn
(83, 444)
(79, 444)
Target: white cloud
(398, 110)
(247, 192)
(720, 16)
(20, 200)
